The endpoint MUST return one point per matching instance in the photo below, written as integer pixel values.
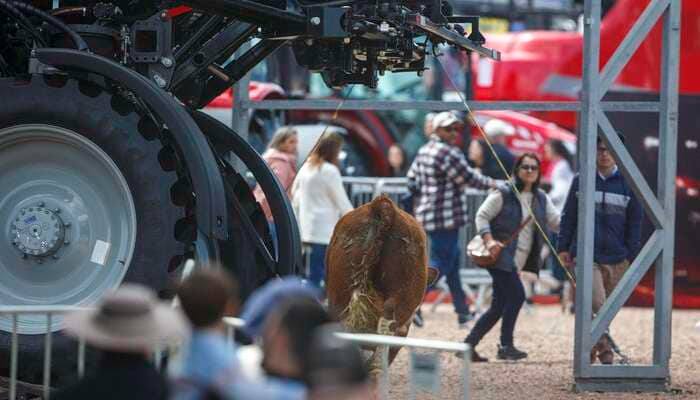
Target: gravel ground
(547, 335)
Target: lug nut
(167, 62)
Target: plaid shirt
(438, 179)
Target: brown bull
(377, 270)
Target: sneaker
(462, 319)
(510, 353)
(418, 319)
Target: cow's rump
(376, 266)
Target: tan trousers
(605, 278)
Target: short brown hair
(327, 149)
(205, 294)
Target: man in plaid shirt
(438, 179)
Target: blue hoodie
(618, 220)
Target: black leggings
(508, 298)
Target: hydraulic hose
(10, 9)
(79, 42)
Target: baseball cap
(445, 119)
(269, 297)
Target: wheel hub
(38, 231)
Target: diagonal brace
(630, 43)
(632, 173)
(649, 253)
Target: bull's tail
(373, 235)
(360, 313)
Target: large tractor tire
(88, 201)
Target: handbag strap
(517, 231)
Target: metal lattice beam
(661, 210)
(631, 43)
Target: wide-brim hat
(130, 319)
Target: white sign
(100, 252)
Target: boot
(476, 357)
(510, 353)
(605, 354)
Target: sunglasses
(531, 168)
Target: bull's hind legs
(385, 326)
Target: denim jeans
(508, 298)
(317, 263)
(444, 255)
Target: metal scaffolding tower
(659, 207)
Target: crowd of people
(517, 205)
(288, 347)
(292, 352)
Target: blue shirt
(210, 363)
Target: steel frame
(659, 207)
(658, 249)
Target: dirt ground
(547, 335)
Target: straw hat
(128, 320)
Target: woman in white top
(562, 171)
(497, 220)
(319, 200)
(562, 175)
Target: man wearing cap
(437, 179)
(618, 221)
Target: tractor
(109, 171)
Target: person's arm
(488, 210)
(552, 215)
(561, 180)
(412, 177)
(569, 219)
(295, 193)
(458, 170)
(336, 190)
(633, 227)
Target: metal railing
(50, 311)
(384, 343)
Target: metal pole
(586, 199)
(81, 357)
(384, 385)
(668, 142)
(240, 116)
(13, 359)
(47, 358)
(466, 361)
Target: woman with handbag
(514, 244)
